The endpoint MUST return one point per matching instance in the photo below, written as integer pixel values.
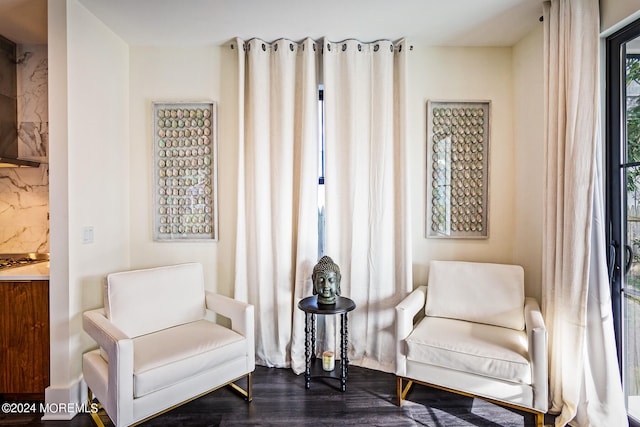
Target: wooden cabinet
(24, 337)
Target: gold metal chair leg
(94, 414)
(248, 393)
(402, 393)
(539, 419)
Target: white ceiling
(24, 21)
(214, 22)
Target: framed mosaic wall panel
(185, 171)
(458, 169)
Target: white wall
(446, 73)
(60, 375)
(98, 64)
(512, 79)
(528, 99)
(183, 74)
(89, 177)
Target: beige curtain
(277, 238)
(585, 386)
(367, 188)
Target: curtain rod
(344, 45)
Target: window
(321, 219)
(623, 203)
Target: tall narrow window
(321, 210)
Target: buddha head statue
(326, 280)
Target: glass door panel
(631, 378)
(628, 286)
(632, 104)
(631, 294)
(623, 203)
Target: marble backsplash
(24, 209)
(24, 192)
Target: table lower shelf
(317, 372)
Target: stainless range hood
(9, 108)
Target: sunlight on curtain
(367, 189)
(584, 381)
(277, 239)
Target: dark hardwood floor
(280, 398)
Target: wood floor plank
(280, 398)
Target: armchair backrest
(143, 301)
(477, 292)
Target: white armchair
(156, 347)
(476, 334)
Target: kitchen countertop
(38, 271)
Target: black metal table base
(313, 366)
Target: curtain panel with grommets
(366, 181)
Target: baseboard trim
(64, 403)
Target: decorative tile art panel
(185, 171)
(458, 169)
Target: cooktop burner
(19, 260)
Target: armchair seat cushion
(166, 357)
(487, 350)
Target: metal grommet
(359, 47)
(264, 48)
(376, 48)
(291, 46)
(344, 47)
(328, 47)
(391, 48)
(275, 47)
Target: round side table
(313, 368)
